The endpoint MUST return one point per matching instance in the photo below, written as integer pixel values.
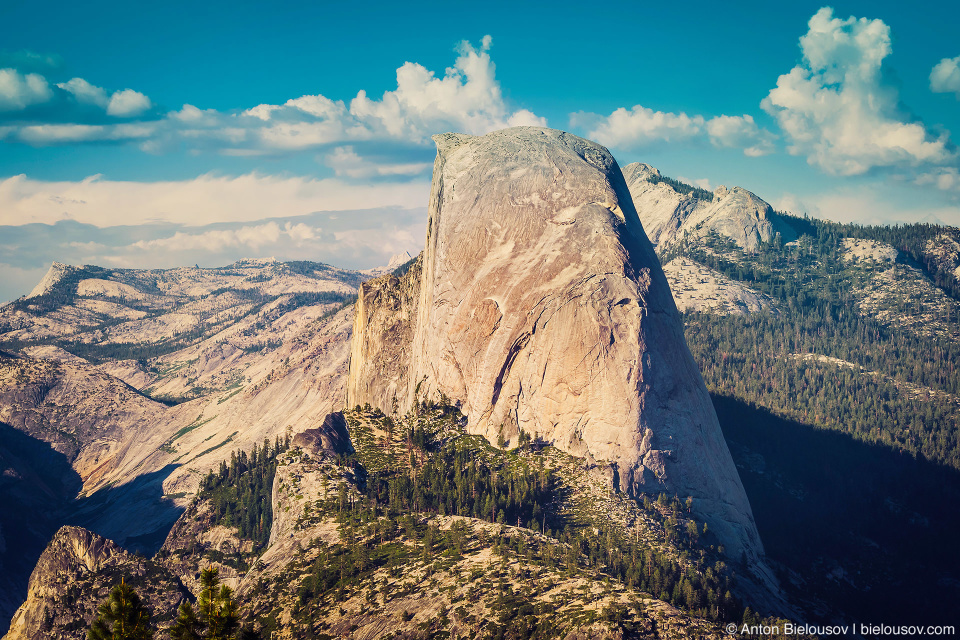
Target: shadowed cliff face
(37, 480)
(75, 574)
(542, 308)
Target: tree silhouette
(218, 618)
(122, 616)
(187, 626)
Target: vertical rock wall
(543, 308)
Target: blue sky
(137, 135)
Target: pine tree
(122, 616)
(187, 626)
(219, 617)
(218, 611)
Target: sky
(155, 135)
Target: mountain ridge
(669, 216)
(270, 362)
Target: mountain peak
(55, 274)
(541, 309)
(399, 259)
(669, 212)
(640, 171)
(396, 260)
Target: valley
(562, 439)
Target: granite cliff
(541, 307)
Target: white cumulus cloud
(19, 91)
(740, 132)
(945, 76)
(128, 103)
(639, 126)
(86, 93)
(466, 98)
(642, 126)
(836, 109)
(346, 162)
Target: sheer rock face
(57, 272)
(385, 313)
(668, 215)
(543, 308)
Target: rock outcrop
(198, 540)
(696, 287)
(868, 251)
(75, 574)
(542, 308)
(943, 255)
(386, 309)
(301, 478)
(330, 438)
(669, 215)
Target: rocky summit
(671, 211)
(540, 308)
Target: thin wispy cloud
(253, 238)
(740, 132)
(204, 200)
(347, 162)
(356, 239)
(865, 204)
(943, 178)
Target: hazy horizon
(185, 149)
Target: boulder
(330, 438)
